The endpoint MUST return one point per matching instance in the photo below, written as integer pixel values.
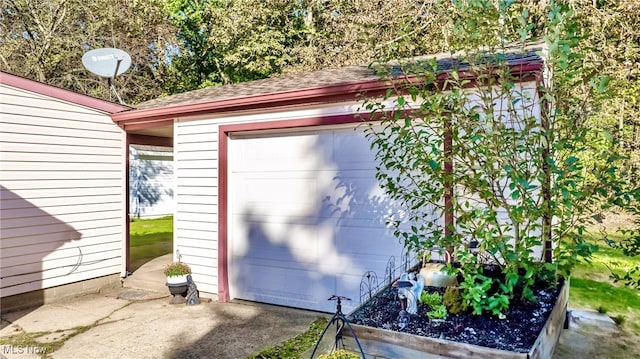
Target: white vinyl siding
(196, 200)
(62, 192)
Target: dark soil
(517, 333)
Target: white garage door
(308, 218)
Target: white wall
(62, 192)
(150, 181)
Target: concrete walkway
(150, 276)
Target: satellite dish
(107, 62)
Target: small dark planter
(179, 292)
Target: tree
(231, 41)
(45, 39)
(517, 170)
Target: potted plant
(177, 282)
(177, 272)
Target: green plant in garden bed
(430, 299)
(512, 167)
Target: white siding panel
(208, 144)
(200, 251)
(65, 239)
(59, 128)
(196, 155)
(197, 231)
(73, 184)
(204, 200)
(62, 188)
(83, 158)
(64, 252)
(196, 217)
(196, 208)
(41, 109)
(23, 217)
(50, 150)
(195, 234)
(72, 200)
(196, 244)
(58, 139)
(64, 167)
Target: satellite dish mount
(109, 63)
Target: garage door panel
(349, 153)
(307, 214)
(297, 152)
(284, 286)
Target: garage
(307, 218)
(275, 193)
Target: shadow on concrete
(246, 331)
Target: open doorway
(151, 203)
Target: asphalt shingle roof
(319, 79)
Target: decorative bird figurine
(410, 287)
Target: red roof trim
(310, 96)
(60, 93)
(287, 98)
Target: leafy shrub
(453, 301)
(430, 299)
(518, 179)
(437, 312)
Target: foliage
(453, 301)
(430, 299)
(437, 312)
(434, 301)
(176, 269)
(224, 42)
(340, 354)
(514, 177)
(45, 39)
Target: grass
(591, 287)
(295, 347)
(149, 239)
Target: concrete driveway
(106, 326)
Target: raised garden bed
(530, 330)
